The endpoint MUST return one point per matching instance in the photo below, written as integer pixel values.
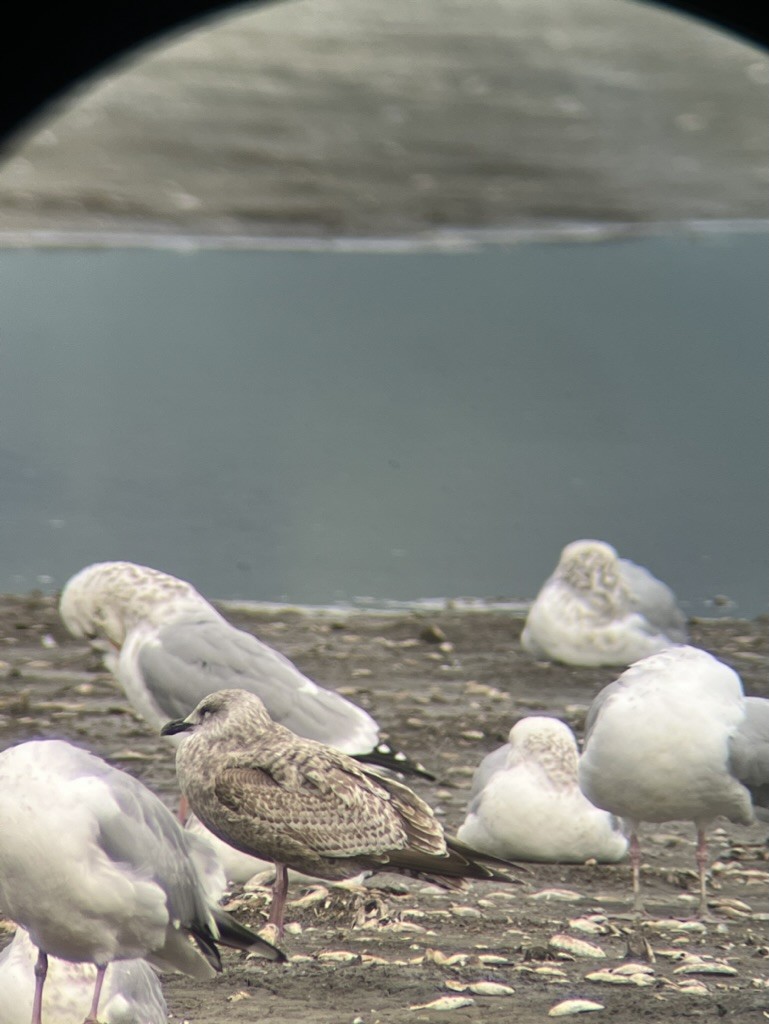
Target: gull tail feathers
(385, 756)
(237, 936)
(456, 868)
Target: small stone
(446, 959)
(238, 997)
(433, 634)
(693, 987)
(674, 925)
(576, 947)
(571, 1006)
(631, 968)
(337, 956)
(465, 911)
(456, 986)
(444, 1003)
(697, 966)
(316, 895)
(609, 977)
(490, 988)
(559, 895)
(595, 924)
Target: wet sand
(371, 956)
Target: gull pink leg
(93, 1013)
(279, 891)
(635, 864)
(41, 970)
(702, 870)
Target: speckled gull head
(548, 743)
(590, 566)
(108, 599)
(235, 716)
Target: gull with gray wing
(96, 869)
(675, 739)
(168, 648)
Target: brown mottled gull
(97, 869)
(306, 806)
(599, 609)
(674, 739)
(168, 648)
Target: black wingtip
(236, 935)
(383, 756)
(485, 862)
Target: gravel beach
(446, 686)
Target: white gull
(131, 994)
(674, 739)
(526, 804)
(599, 609)
(97, 869)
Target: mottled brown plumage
(306, 806)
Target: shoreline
(448, 704)
(448, 240)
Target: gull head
(548, 743)
(589, 565)
(227, 714)
(109, 599)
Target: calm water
(321, 426)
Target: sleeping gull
(307, 806)
(131, 992)
(598, 609)
(526, 804)
(169, 648)
(674, 739)
(97, 869)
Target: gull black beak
(178, 725)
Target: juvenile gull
(169, 648)
(97, 869)
(307, 806)
(675, 739)
(526, 804)
(237, 867)
(131, 992)
(242, 867)
(598, 609)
